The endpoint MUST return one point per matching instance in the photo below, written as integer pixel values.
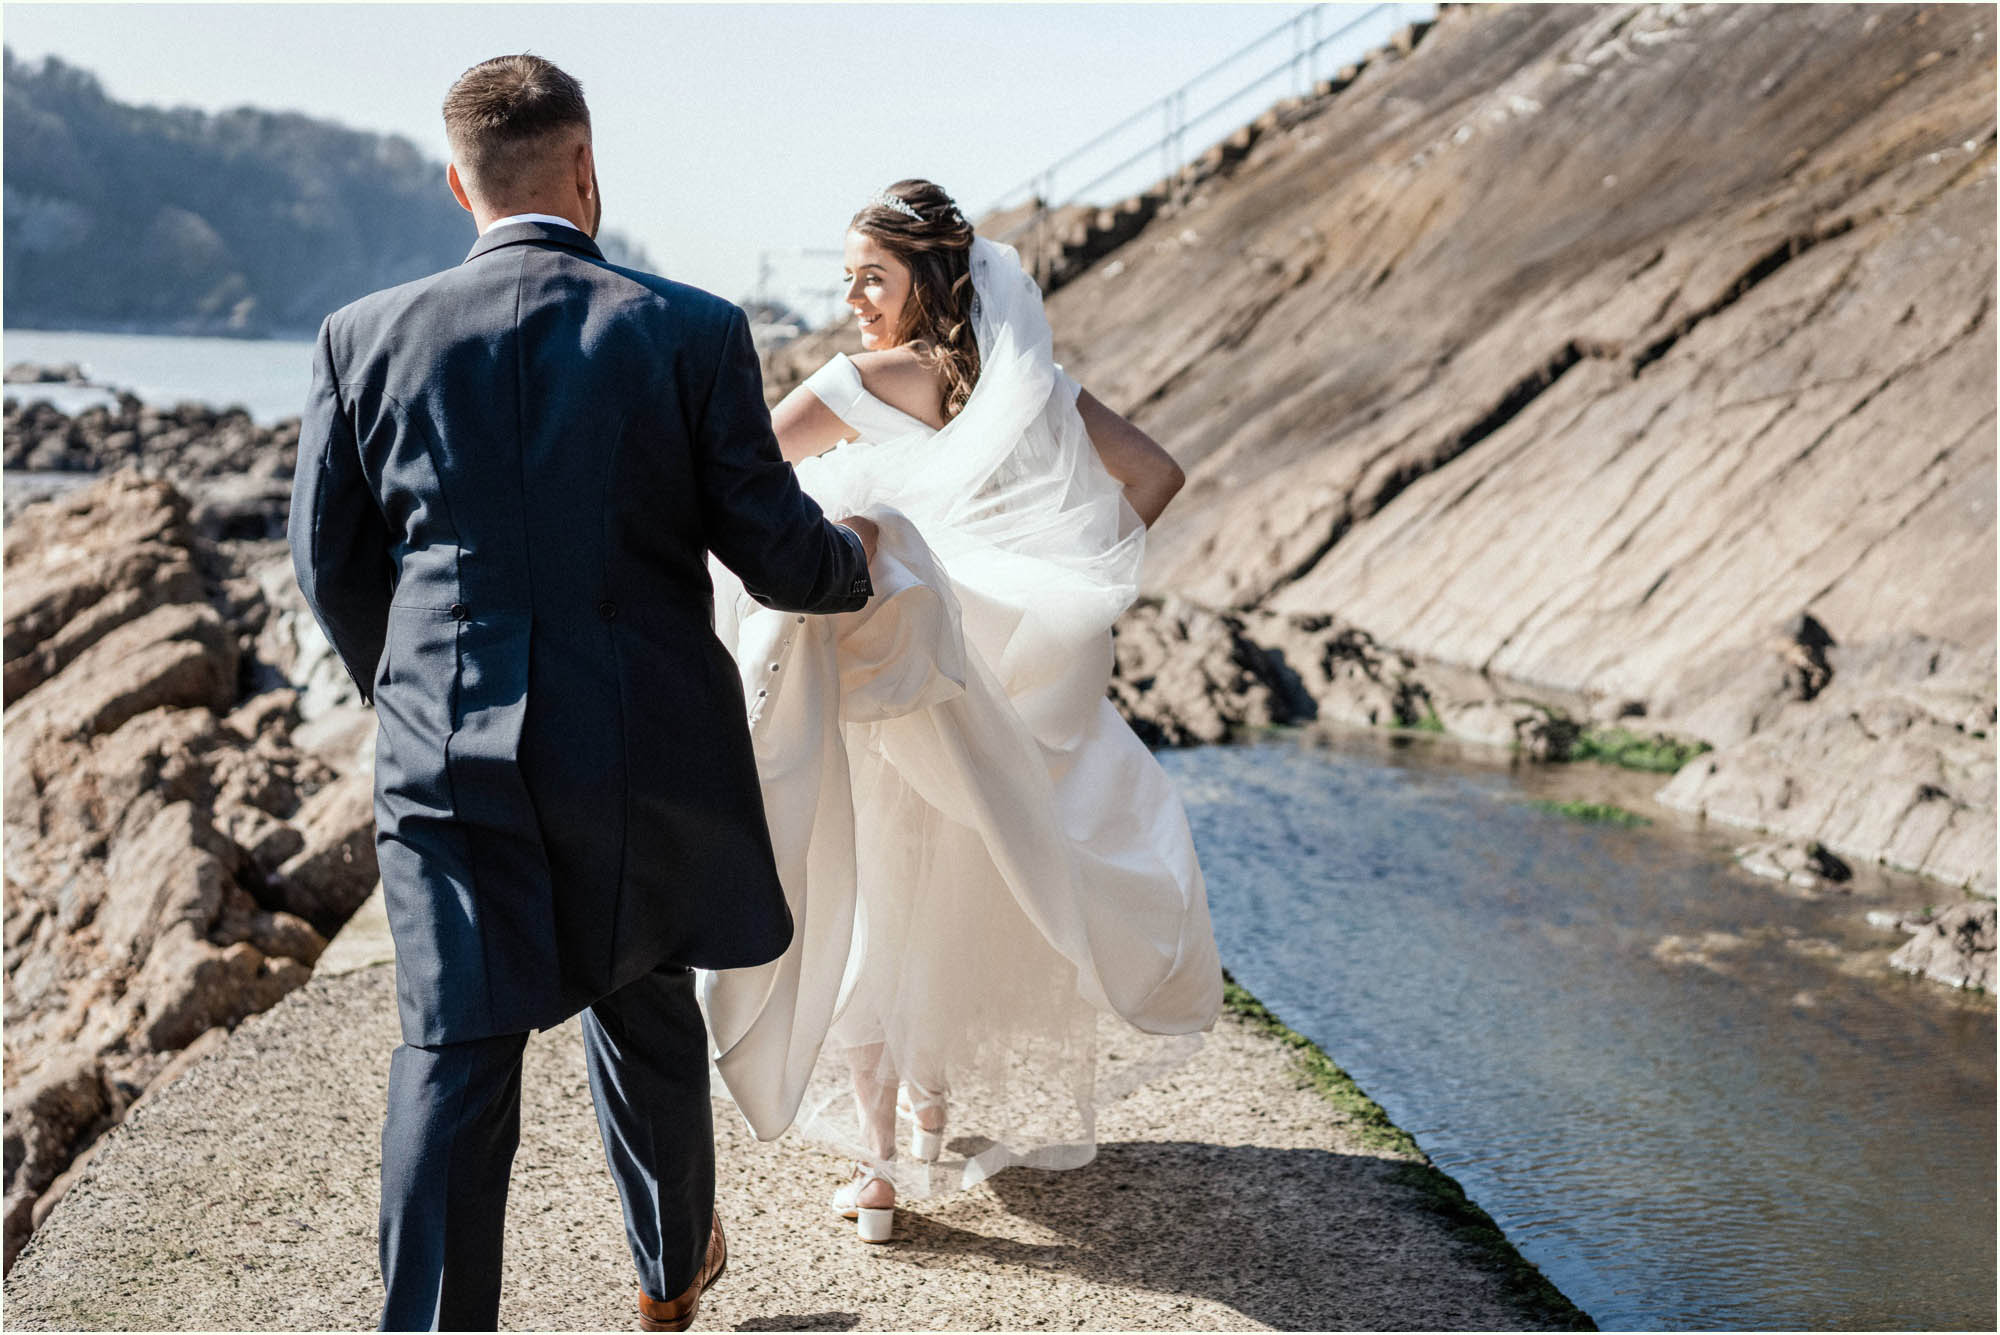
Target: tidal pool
(1694, 1099)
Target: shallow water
(268, 377)
(1692, 1099)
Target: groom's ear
(457, 187)
(584, 165)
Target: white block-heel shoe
(926, 1143)
(871, 1223)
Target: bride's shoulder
(905, 379)
(890, 365)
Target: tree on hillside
(246, 221)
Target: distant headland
(252, 223)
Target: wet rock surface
(175, 856)
(1802, 867)
(1953, 947)
(1186, 675)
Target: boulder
(1528, 726)
(1183, 675)
(332, 874)
(176, 871)
(242, 506)
(1803, 865)
(178, 655)
(85, 564)
(48, 1112)
(37, 373)
(1955, 947)
(191, 985)
(272, 712)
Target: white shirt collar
(530, 217)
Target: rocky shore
(238, 474)
(1187, 675)
(188, 809)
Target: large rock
(85, 564)
(1892, 762)
(176, 871)
(1954, 948)
(178, 655)
(1182, 676)
(190, 985)
(48, 1113)
(335, 869)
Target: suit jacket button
(607, 609)
(459, 612)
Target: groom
(510, 475)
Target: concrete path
(1225, 1197)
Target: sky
(725, 133)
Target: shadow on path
(1302, 1239)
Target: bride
(981, 858)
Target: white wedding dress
(981, 858)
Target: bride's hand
(866, 530)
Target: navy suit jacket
(510, 475)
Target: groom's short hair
(503, 106)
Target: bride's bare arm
(805, 426)
(1148, 473)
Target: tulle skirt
(959, 1005)
(989, 873)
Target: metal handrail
(1176, 122)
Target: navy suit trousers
(454, 1122)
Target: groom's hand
(864, 529)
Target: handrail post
(1180, 143)
(1055, 238)
(1298, 50)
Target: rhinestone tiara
(888, 201)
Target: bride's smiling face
(878, 286)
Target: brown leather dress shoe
(678, 1313)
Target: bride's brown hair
(937, 247)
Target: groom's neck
(556, 206)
